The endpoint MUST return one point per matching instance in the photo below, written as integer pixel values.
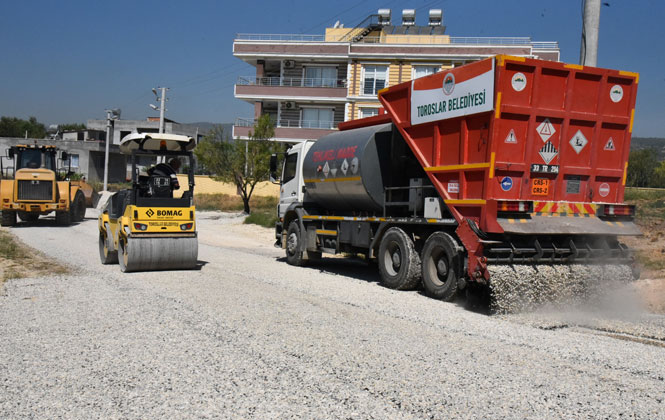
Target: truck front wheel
(399, 263)
(294, 253)
(8, 218)
(441, 266)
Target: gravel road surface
(248, 336)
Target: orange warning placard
(540, 186)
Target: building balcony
(288, 130)
(260, 88)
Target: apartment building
(308, 84)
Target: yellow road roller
(147, 227)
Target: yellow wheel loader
(34, 185)
(146, 227)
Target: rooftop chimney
(384, 17)
(435, 17)
(408, 17)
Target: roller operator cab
(507, 173)
(150, 227)
(35, 182)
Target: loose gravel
(248, 336)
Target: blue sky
(67, 61)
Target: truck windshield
(33, 159)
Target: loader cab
(292, 183)
(27, 157)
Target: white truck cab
(292, 182)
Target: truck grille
(35, 190)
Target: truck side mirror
(64, 155)
(10, 153)
(273, 168)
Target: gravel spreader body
(508, 173)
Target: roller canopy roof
(153, 142)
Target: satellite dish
(153, 107)
(115, 113)
(154, 91)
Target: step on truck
(505, 175)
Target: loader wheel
(441, 266)
(27, 217)
(106, 256)
(399, 263)
(63, 218)
(294, 255)
(78, 206)
(8, 218)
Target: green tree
(243, 162)
(71, 127)
(641, 167)
(659, 176)
(16, 127)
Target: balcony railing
(407, 39)
(291, 82)
(283, 123)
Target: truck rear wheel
(105, 255)
(441, 266)
(294, 253)
(399, 263)
(28, 217)
(8, 218)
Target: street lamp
(111, 116)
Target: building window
(421, 71)
(374, 79)
(317, 118)
(320, 76)
(73, 158)
(368, 112)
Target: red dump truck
(507, 172)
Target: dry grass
(17, 260)
(225, 202)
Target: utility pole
(162, 107)
(590, 27)
(111, 116)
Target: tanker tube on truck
(506, 174)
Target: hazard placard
(511, 138)
(548, 152)
(578, 141)
(609, 145)
(545, 130)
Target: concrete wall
(91, 157)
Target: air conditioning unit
(289, 105)
(289, 64)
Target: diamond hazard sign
(548, 152)
(344, 167)
(511, 137)
(326, 169)
(578, 141)
(545, 129)
(610, 144)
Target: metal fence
(291, 81)
(284, 123)
(407, 39)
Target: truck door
(290, 182)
